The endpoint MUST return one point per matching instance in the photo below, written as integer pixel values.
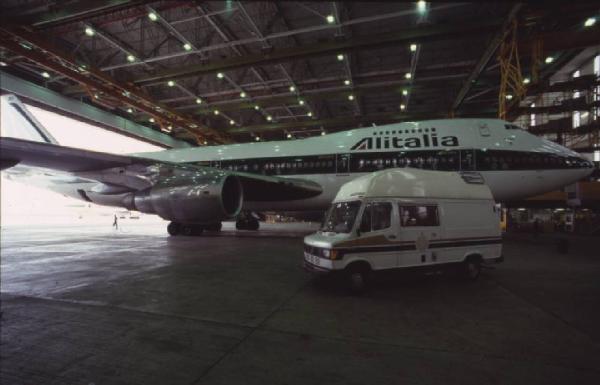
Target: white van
(405, 218)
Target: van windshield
(340, 217)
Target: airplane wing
(117, 174)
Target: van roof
(413, 183)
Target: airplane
(196, 188)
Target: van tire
(357, 277)
(471, 268)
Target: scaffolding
(511, 78)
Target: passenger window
(377, 216)
(411, 216)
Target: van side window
(411, 216)
(377, 216)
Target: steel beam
(64, 64)
(418, 35)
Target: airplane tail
(17, 122)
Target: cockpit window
(340, 217)
(512, 127)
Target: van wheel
(472, 268)
(357, 279)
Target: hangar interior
(82, 304)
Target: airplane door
(342, 164)
(484, 130)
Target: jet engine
(202, 197)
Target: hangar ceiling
(229, 71)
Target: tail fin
(17, 122)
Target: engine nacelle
(203, 197)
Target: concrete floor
(88, 305)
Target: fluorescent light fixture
(350, 97)
(220, 75)
(152, 16)
(408, 75)
(269, 118)
(402, 107)
(404, 92)
(549, 60)
(526, 81)
(340, 56)
(3, 64)
(292, 88)
(413, 47)
(242, 94)
(330, 19)
(346, 82)
(301, 102)
(46, 75)
(216, 112)
(589, 22)
(198, 101)
(187, 47)
(170, 83)
(89, 31)
(421, 6)
(508, 97)
(130, 58)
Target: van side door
(419, 229)
(378, 235)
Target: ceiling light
(89, 31)
(408, 75)
(257, 138)
(508, 96)
(269, 118)
(350, 97)
(589, 22)
(301, 102)
(152, 16)
(169, 128)
(421, 6)
(330, 19)
(198, 101)
(216, 112)
(46, 75)
(413, 47)
(256, 107)
(130, 110)
(231, 122)
(220, 75)
(309, 113)
(205, 142)
(402, 107)
(340, 57)
(346, 82)
(549, 60)
(404, 92)
(289, 136)
(187, 47)
(526, 81)
(170, 83)
(130, 58)
(3, 64)
(322, 133)
(292, 88)
(242, 94)
(151, 120)
(96, 96)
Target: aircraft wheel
(217, 226)
(174, 229)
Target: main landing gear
(247, 221)
(176, 228)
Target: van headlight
(326, 253)
(331, 254)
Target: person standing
(116, 223)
